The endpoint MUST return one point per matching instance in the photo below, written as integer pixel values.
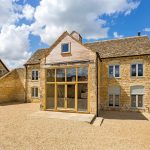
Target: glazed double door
(65, 96)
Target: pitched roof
(41, 53)
(4, 65)
(131, 46)
(37, 56)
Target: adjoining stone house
(3, 69)
(86, 77)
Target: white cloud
(147, 29)
(14, 45)
(28, 12)
(54, 16)
(14, 41)
(117, 35)
(50, 19)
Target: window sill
(138, 108)
(137, 76)
(35, 80)
(114, 77)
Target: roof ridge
(117, 39)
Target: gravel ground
(19, 131)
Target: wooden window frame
(76, 82)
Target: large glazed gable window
(137, 70)
(137, 94)
(65, 48)
(35, 74)
(114, 71)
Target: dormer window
(65, 48)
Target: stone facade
(12, 87)
(18, 84)
(32, 83)
(125, 81)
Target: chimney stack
(139, 33)
(77, 36)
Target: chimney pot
(139, 33)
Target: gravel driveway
(19, 131)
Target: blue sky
(27, 25)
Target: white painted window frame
(34, 70)
(114, 71)
(137, 101)
(114, 100)
(136, 69)
(34, 93)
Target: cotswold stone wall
(32, 83)
(12, 86)
(125, 82)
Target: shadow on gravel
(122, 115)
(11, 103)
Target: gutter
(25, 84)
(97, 77)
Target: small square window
(65, 48)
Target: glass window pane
(37, 75)
(71, 74)
(83, 74)
(140, 100)
(50, 96)
(70, 96)
(82, 97)
(51, 75)
(32, 92)
(36, 92)
(110, 100)
(117, 70)
(133, 70)
(60, 96)
(60, 75)
(116, 100)
(65, 48)
(133, 100)
(33, 75)
(110, 71)
(140, 69)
